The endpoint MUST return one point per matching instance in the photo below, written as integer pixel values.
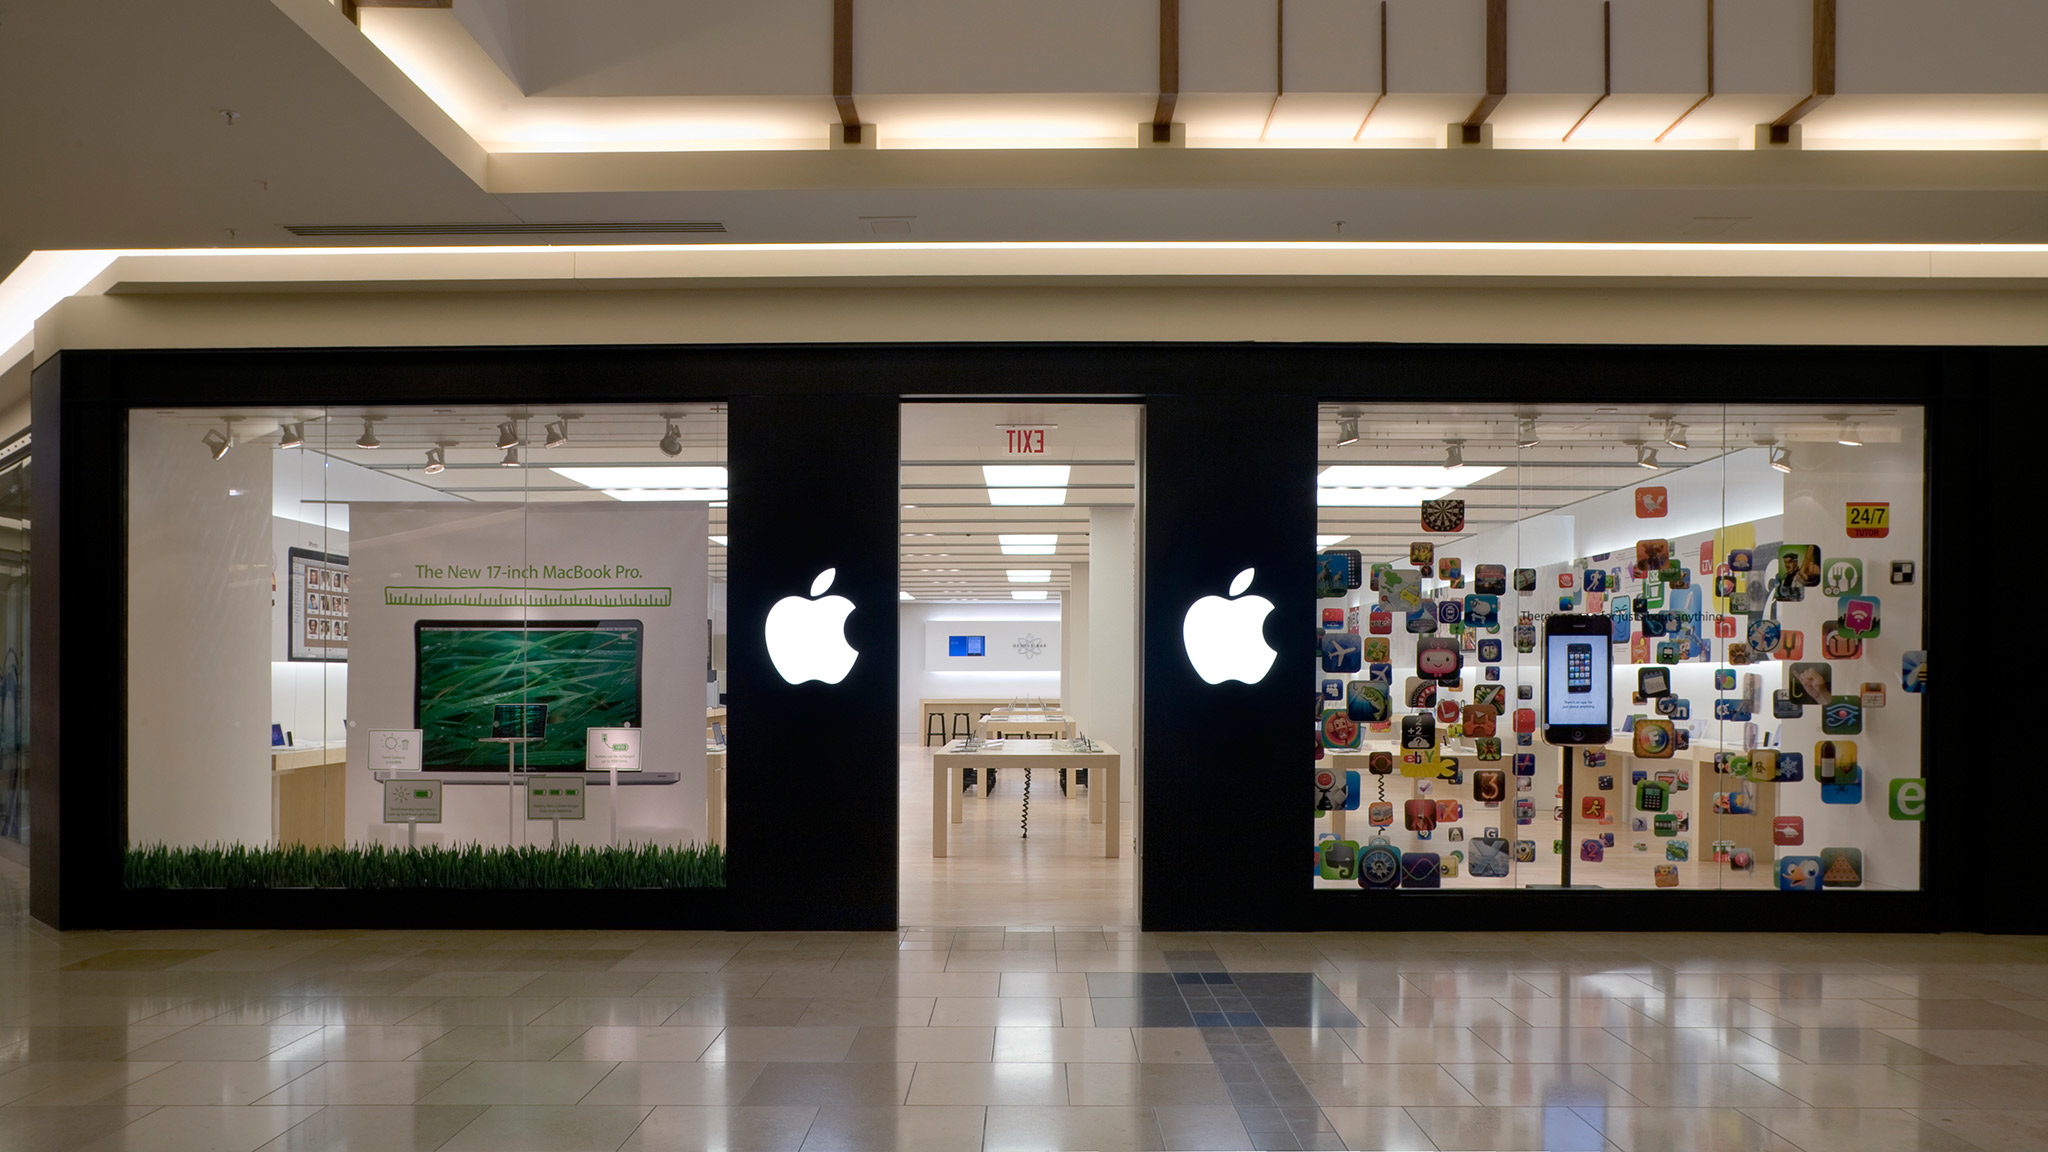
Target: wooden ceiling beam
(1823, 73)
(1496, 70)
(1169, 71)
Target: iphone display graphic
(1578, 688)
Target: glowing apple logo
(807, 638)
(1226, 639)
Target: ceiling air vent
(520, 228)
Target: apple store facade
(417, 637)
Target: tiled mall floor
(1070, 1038)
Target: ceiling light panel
(697, 483)
(1026, 475)
(1027, 543)
(1030, 575)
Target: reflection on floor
(1029, 1038)
(993, 875)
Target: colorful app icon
(1490, 579)
(1788, 831)
(1842, 716)
(1784, 706)
(1339, 860)
(1479, 720)
(1449, 811)
(1380, 763)
(1665, 875)
(1606, 783)
(1451, 570)
(1678, 851)
(1913, 671)
(1842, 576)
(1525, 637)
(1667, 824)
(1421, 553)
(1450, 611)
(1489, 785)
(1841, 867)
(1592, 851)
(1333, 619)
(1652, 796)
(1422, 617)
(1763, 635)
(1868, 521)
(1333, 691)
(1367, 702)
(1653, 739)
(1438, 658)
(1380, 671)
(1340, 731)
(1799, 563)
(1798, 873)
(1418, 731)
(1489, 651)
(1872, 694)
(1490, 857)
(1724, 627)
(1840, 777)
(1653, 681)
(1860, 616)
(1724, 679)
(1378, 650)
(1525, 764)
(1342, 652)
(1421, 870)
(1379, 865)
(1419, 693)
(1741, 859)
(1525, 721)
(1593, 807)
(1443, 515)
(1810, 683)
(1482, 611)
(1447, 709)
(1652, 503)
(1909, 798)
(1791, 645)
(1733, 803)
(1837, 644)
(1486, 747)
(1380, 814)
(1419, 815)
(1740, 560)
(1525, 851)
(1379, 621)
(1525, 579)
(1902, 571)
(1331, 790)
(1652, 556)
(1565, 580)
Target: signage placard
(554, 797)
(394, 750)
(413, 801)
(612, 749)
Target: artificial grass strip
(470, 867)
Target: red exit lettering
(1026, 440)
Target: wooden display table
(1028, 719)
(308, 794)
(1104, 779)
(974, 707)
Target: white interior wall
(916, 682)
(1110, 713)
(199, 540)
(1074, 639)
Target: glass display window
(1618, 647)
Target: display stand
(1568, 850)
(511, 744)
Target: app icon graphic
(1379, 814)
(1341, 731)
(1489, 651)
(1841, 867)
(1653, 739)
(1740, 560)
(1788, 831)
(1339, 860)
(1525, 579)
(1225, 638)
(1443, 515)
(1490, 579)
(1651, 502)
(807, 637)
(1913, 671)
(1909, 798)
(1842, 576)
(1799, 873)
(1378, 650)
(1652, 796)
(1333, 619)
(1810, 683)
(1437, 658)
(1331, 790)
(1835, 767)
(1842, 716)
(1860, 616)
(1418, 731)
(1380, 763)
(1489, 785)
(1482, 611)
(1450, 611)
(1422, 617)
(1902, 571)
(1592, 851)
(1421, 553)
(1342, 652)
(1367, 702)
(1421, 870)
(1868, 521)
(1419, 815)
(1666, 875)
(1379, 621)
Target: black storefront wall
(1230, 456)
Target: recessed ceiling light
(1030, 575)
(1326, 541)
(1026, 475)
(704, 482)
(1027, 543)
(1019, 595)
(901, 595)
(718, 540)
(1026, 497)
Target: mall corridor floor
(994, 1038)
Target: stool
(929, 719)
(963, 726)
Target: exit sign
(1025, 441)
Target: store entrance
(1017, 705)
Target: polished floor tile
(355, 1128)
(547, 1128)
(696, 1128)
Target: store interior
(1018, 637)
(1740, 555)
(325, 601)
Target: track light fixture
(1525, 432)
(217, 442)
(369, 437)
(558, 434)
(1848, 436)
(1646, 457)
(1454, 455)
(437, 461)
(1674, 434)
(1781, 458)
(291, 435)
(511, 459)
(508, 435)
(1347, 430)
(671, 440)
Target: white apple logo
(1226, 639)
(807, 638)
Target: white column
(1074, 645)
(1111, 713)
